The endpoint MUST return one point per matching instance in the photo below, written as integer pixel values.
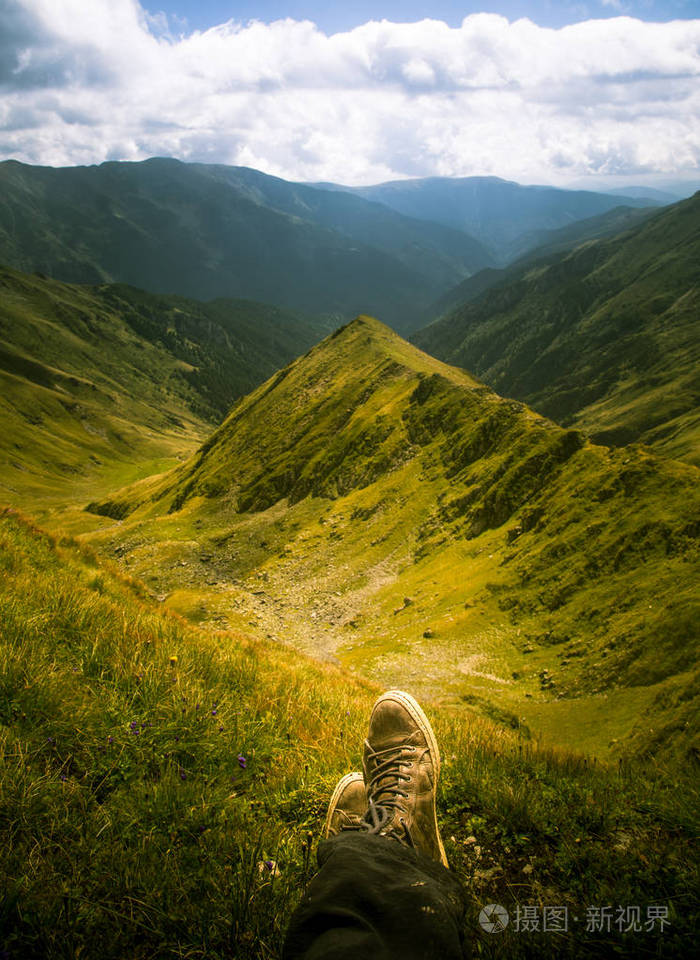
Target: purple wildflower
(183, 775)
(221, 729)
(213, 713)
(110, 739)
(242, 762)
(269, 864)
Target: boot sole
(413, 708)
(339, 790)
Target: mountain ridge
(371, 505)
(546, 243)
(100, 378)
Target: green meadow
(162, 787)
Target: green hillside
(101, 385)
(376, 507)
(540, 244)
(209, 231)
(603, 339)
(162, 788)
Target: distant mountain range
(663, 189)
(507, 218)
(214, 231)
(208, 231)
(604, 337)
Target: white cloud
(86, 82)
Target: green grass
(129, 828)
(390, 516)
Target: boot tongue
(389, 727)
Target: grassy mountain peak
(373, 505)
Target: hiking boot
(401, 767)
(347, 807)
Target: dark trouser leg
(375, 898)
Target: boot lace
(385, 792)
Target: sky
(539, 92)
(336, 17)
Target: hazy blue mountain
(214, 231)
(499, 213)
(647, 193)
(663, 189)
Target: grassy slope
(541, 244)
(377, 507)
(103, 385)
(603, 338)
(129, 828)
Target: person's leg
(375, 898)
(383, 889)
